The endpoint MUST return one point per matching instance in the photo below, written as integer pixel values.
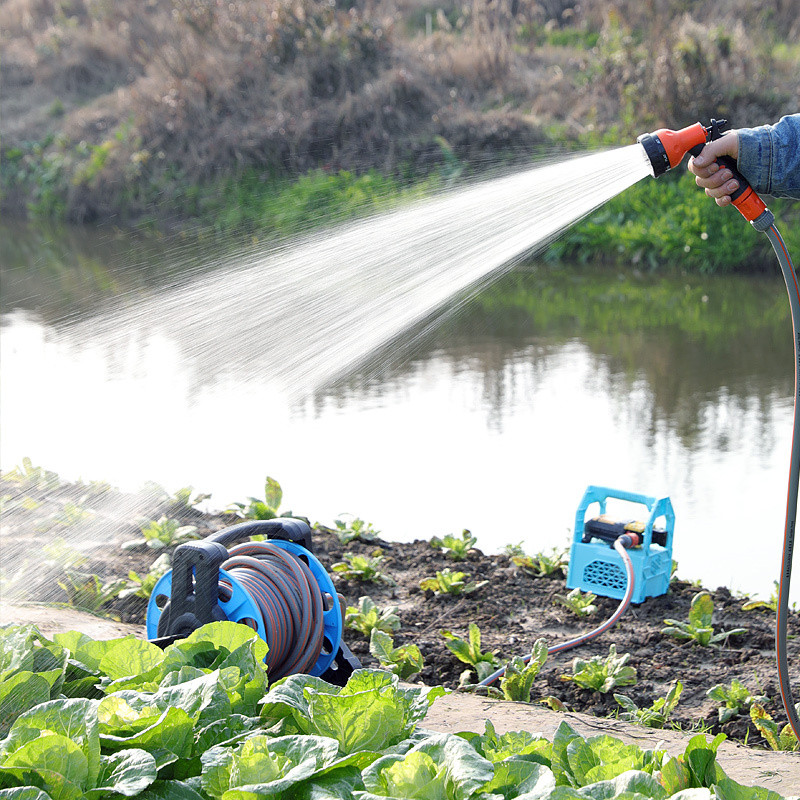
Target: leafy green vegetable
(699, 628)
(403, 661)
(657, 715)
(518, 680)
(453, 546)
(450, 582)
(371, 712)
(600, 674)
(734, 698)
(469, 651)
(368, 616)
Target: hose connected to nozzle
(665, 149)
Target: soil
(512, 609)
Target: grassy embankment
(273, 116)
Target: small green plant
(510, 549)
(577, 602)
(403, 661)
(162, 533)
(734, 698)
(64, 555)
(699, 628)
(450, 582)
(602, 674)
(30, 478)
(261, 509)
(142, 586)
(365, 569)
(657, 714)
(783, 739)
(518, 680)
(185, 500)
(768, 605)
(72, 514)
(453, 546)
(349, 529)
(367, 616)
(468, 651)
(543, 565)
(89, 592)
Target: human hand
(717, 180)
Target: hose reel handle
(289, 529)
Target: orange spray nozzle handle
(666, 148)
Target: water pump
(665, 149)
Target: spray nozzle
(665, 149)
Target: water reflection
(494, 415)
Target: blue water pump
(594, 565)
(275, 585)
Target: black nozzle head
(655, 152)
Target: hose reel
(276, 586)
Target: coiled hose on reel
(275, 586)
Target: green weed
(163, 532)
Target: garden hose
(620, 545)
(288, 598)
(665, 149)
(274, 585)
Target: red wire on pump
(620, 545)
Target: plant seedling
(88, 592)
(602, 675)
(454, 547)
(450, 582)
(362, 568)
(769, 605)
(403, 661)
(261, 509)
(367, 616)
(164, 533)
(783, 739)
(734, 698)
(348, 530)
(30, 478)
(657, 715)
(699, 628)
(577, 602)
(518, 680)
(468, 651)
(142, 586)
(542, 565)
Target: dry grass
(184, 90)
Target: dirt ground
(512, 609)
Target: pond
(492, 415)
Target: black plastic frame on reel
(195, 582)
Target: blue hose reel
(594, 565)
(198, 590)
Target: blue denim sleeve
(769, 157)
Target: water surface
(495, 418)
